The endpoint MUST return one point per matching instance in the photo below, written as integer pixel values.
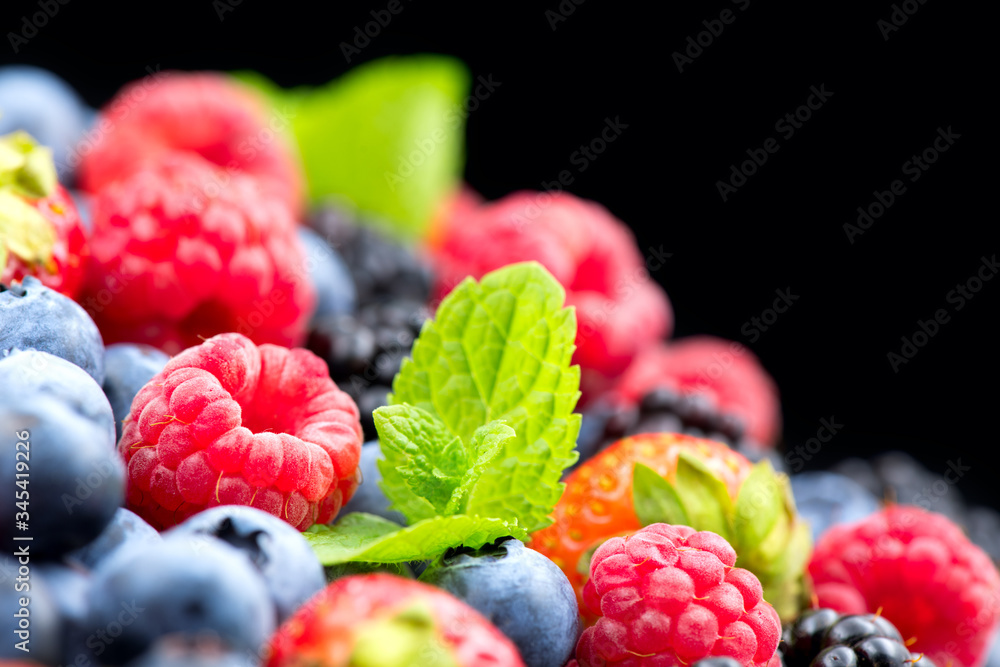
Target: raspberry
(588, 250)
(230, 423)
(664, 597)
(921, 571)
(726, 375)
(597, 502)
(387, 620)
(182, 251)
(204, 113)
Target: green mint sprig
(480, 424)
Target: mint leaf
(388, 135)
(366, 537)
(500, 349)
(655, 500)
(705, 496)
(487, 444)
(420, 453)
(759, 506)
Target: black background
(783, 229)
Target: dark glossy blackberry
(364, 351)
(851, 629)
(836, 656)
(664, 410)
(802, 640)
(881, 652)
(382, 269)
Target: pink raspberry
(918, 567)
(231, 423)
(726, 373)
(181, 251)
(667, 595)
(205, 113)
(619, 309)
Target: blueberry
(281, 555)
(836, 656)
(992, 658)
(802, 640)
(826, 498)
(127, 368)
(34, 317)
(76, 479)
(330, 276)
(522, 592)
(46, 107)
(126, 530)
(184, 586)
(70, 591)
(369, 496)
(718, 661)
(41, 613)
(186, 652)
(881, 652)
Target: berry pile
(364, 349)
(192, 354)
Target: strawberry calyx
(27, 173)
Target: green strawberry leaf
(24, 232)
(26, 168)
(704, 495)
(655, 500)
(501, 349)
(759, 505)
(366, 537)
(388, 136)
(420, 453)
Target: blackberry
(364, 351)
(664, 410)
(823, 638)
(802, 640)
(382, 269)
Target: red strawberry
(597, 502)
(380, 619)
(230, 423)
(41, 233)
(204, 113)
(921, 571)
(182, 251)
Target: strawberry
(41, 233)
